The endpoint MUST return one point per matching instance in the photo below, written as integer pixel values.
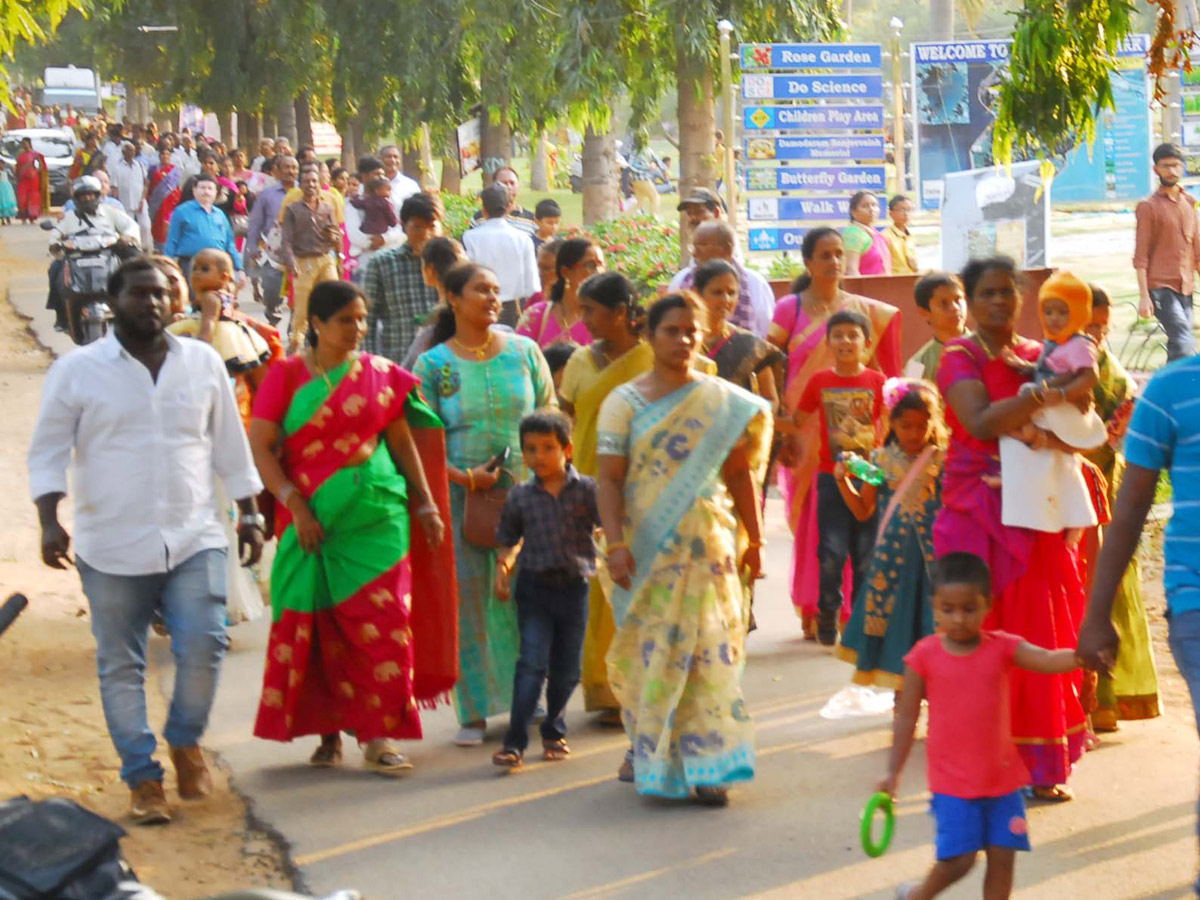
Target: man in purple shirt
(261, 250)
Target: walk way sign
(812, 56)
(812, 87)
(803, 118)
(856, 147)
(799, 209)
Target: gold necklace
(321, 371)
(480, 351)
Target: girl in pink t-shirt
(975, 773)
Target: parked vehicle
(57, 146)
(69, 84)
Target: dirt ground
(55, 740)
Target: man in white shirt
(185, 156)
(151, 419)
(364, 246)
(112, 147)
(128, 179)
(266, 149)
(403, 187)
(504, 249)
(714, 239)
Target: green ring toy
(879, 801)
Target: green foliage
(29, 22)
(785, 268)
(459, 212)
(640, 247)
(1059, 76)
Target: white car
(57, 145)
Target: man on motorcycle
(89, 216)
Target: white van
(67, 84)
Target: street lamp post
(898, 104)
(725, 28)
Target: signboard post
(813, 120)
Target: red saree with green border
(364, 630)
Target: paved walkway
(569, 830)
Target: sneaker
(469, 736)
(191, 773)
(148, 804)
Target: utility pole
(898, 105)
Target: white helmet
(85, 184)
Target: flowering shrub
(459, 211)
(642, 248)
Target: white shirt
(128, 183)
(145, 453)
(360, 244)
(186, 160)
(403, 187)
(112, 154)
(106, 220)
(508, 252)
(762, 297)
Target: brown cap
(702, 197)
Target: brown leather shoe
(148, 804)
(191, 773)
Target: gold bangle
(614, 547)
(756, 545)
(470, 481)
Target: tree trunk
(303, 115)
(451, 177)
(270, 126)
(251, 124)
(410, 155)
(697, 130)
(349, 151)
(428, 182)
(225, 124)
(495, 138)
(287, 124)
(601, 189)
(358, 135)
(941, 19)
(539, 176)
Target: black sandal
(328, 754)
(713, 796)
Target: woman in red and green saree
(363, 604)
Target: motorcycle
(88, 258)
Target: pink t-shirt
(970, 749)
(1078, 352)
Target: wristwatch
(255, 519)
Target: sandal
(713, 796)
(555, 751)
(609, 718)
(508, 758)
(1054, 793)
(383, 759)
(328, 754)
(625, 773)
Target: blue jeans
(1174, 312)
(840, 536)
(191, 598)
(271, 280)
(552, 616)
(1184, 638)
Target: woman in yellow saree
(610, 313)
(679, 455)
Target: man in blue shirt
(1163, 434)
(198, 225)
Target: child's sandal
(555, 751)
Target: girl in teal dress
(8, 197)
(481, 382)
(894, 608)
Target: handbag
(481, 513)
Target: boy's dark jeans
(552, 613)
(839, 535)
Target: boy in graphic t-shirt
(975, 772)
(849, 399)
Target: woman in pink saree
(798, 329)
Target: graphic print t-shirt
(849, 407)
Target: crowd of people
(487, 468)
